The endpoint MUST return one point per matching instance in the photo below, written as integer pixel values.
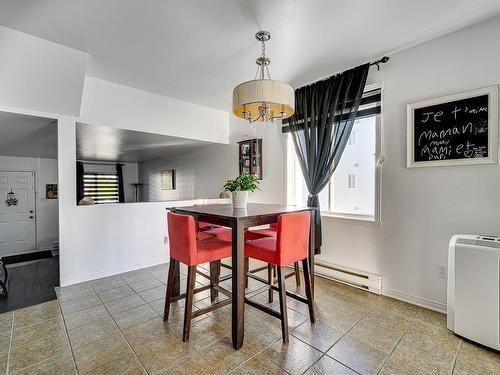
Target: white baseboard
(112, 272)
(414, 300)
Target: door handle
(31, 211)
(32, 217)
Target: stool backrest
(293, 236)
(182, 237)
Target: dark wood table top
(228, 212)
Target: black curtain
(121, 189)
(79, 181)
(325, 112)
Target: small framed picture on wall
(168, 179)
(51, 191)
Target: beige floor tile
(381, 316)
(105, 283)
(109, 295)
(193, 364)
(327, 365)
(317, 335)
(158, 306)
(100, 352)
(434, 343)
(59, 365)
(340, 316)
(404, 308)
(206, 332)
(136, 315)
(85, 334)
(377, 337)
(404, 361)
(258, 365)
(6, 321)
(86, 316)
(36, 313)
(124, 304)
(145, 284)
(358, 355)
(295, 357)
(153, 294)
(463, 367)
(150, 330)
(79, 304)
(158, 355)
(126, 364)
(4, 356)
(76, 291)
(37, 342)
(223, 358)
(432, 317)
(259, 334)
(481, 356)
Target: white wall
(47, 213)
(423, 207)
(40, 75)
(110, 104)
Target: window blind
(101, 187)
(371, 104)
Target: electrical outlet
(442, 271)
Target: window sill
(352, 218)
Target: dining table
(239, 220)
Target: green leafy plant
(244, 182)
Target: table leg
(312, 245)
(238, 283)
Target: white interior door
(17, 222)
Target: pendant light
(263, 99)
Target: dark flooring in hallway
(31, 283)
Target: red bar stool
(256, 234)
(290, 245)
(187, 249)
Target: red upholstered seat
(255, 234)
(290, 244)
(186, 248)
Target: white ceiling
(110, 144)
(27, 136)
(197, 50)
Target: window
(353, 191)
(352, 138)
(351, 181)
(101, 187)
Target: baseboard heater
(355, 278)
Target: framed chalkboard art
(458, 129)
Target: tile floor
(114, 326)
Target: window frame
(379, 161)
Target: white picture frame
(492, 158)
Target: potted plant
(239, 188)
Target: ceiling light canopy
(263, 99)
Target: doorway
(17, 214)
(29, 210)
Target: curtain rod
(382, 60)
(99, 162)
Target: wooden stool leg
(188, 310)
(214, 279)
(247, 268)
(309, 294)
(283, 310)
(297, 273)
(270, 279)
(170, 287)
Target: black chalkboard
(452, 130)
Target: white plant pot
(240, 199)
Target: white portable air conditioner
(474, 288)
